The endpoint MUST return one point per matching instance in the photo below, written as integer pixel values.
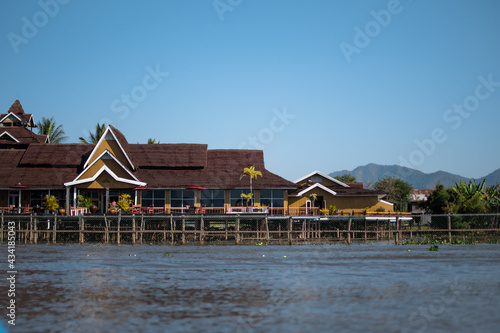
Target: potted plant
(124, 202)
(62, 210)
(51, 203)
(112, 207)
(87, 203)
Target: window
(181, 198)
(154, 198)
(212, 198)
(272, 198)
(236, 200)
(38, 197)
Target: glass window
(237, 200)
(38, 197)
(153, 198)
(181, 198)
(272, 198)
(212, 198)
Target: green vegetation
(124, 202)
(463, 198)
(94, 137)
(54, 133)
(398, 191)
(84, 202)
(51, 203)
(252, 173)
(346, 178)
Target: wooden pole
(398, 223)
(82, 227)
(106, 230)
(349, 230)
(118, 227)
(133, 229)
(267, 229)
(365, 230)
(449, 228)
(35, 236)
(171, 229)
(183, 240)
(226, 226)
(237, 230)
(54, 230)
(202, 228)
(377, 228)
(141, 228)
(289, 229)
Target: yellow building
(318, 192)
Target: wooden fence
(247, 229)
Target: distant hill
(371, 173)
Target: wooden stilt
(202, 228)
(349, 230)
(183, 239)
(133, 229)
(237, 230)
(118, 227)
(82, 228)
(267, 229)
(141, 228)
(54, 230)
(172, 229)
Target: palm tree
(94, 137)
(54, 133)
(247, 196)
(152, 141)
(252, 173)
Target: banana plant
(247, 196)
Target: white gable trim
(301, 193)
(10, 114)
(10, 135)
(111, 173)
(105, 152)
(387, 202)
(108, 129)
(322, 175)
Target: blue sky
(318, 85)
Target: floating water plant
(433, 248)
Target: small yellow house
(318, 191)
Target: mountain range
(369, 174)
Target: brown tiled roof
(168, 156)
(71, 154)
(49, 177)
(346, 191)
(24, 135)
(224, 168)
(18, 110)
(10, 158)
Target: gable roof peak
(16, 108)
(319, 173)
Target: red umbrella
(195, 187)
(139, 188)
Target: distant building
(416, 197)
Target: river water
(303, 288)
